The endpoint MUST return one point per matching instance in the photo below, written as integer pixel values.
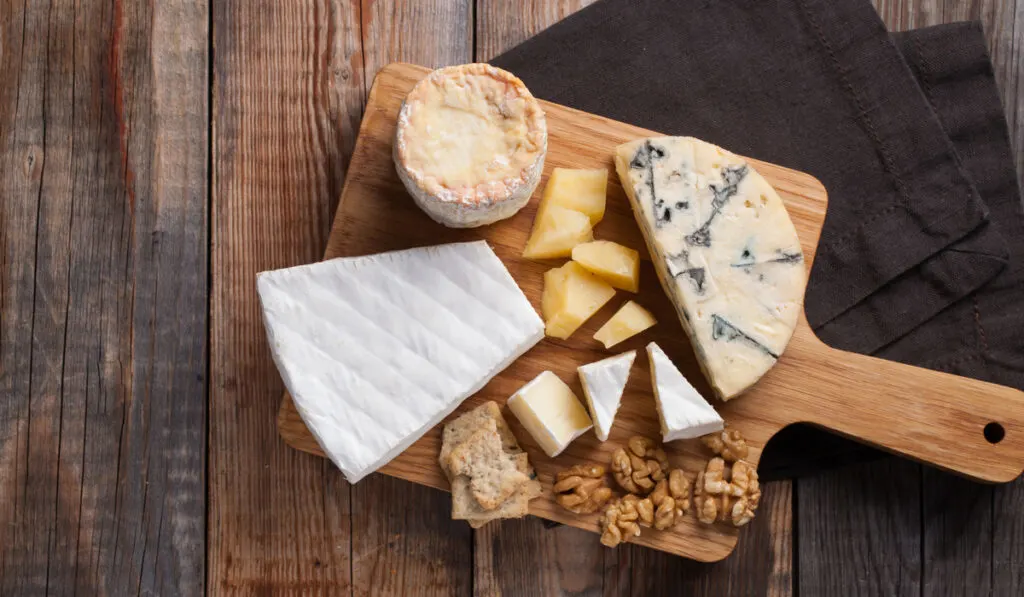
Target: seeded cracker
(492, 473)
(464, 504)
(459, 430)
(465, 507)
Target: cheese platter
(962, 425)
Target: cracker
(493, 475)
(459, 430)
(465, 507)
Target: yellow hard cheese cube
(571, 295)
(614, 263)
(629, 321)
(550, 412)
(579, 190)
(556, 231)
(551, 299)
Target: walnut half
(639, 466)
(728, 444)
(620, 522)
(727, 495)
(747, 490)
(671, 500)
(581, 489)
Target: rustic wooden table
(155, 155)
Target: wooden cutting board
(932, 417)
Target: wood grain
(500, 24)
(860, 531)
(288, 88)
(103, 210)
(761, 564)
(1008, 540)
(843, 391)
(102, 134)
(571, 561)
(430, 32)
(957, 535)
(959, 548)
(404, 541)
(525, 558)
(403, 538)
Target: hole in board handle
(994, 433)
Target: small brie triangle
(683, 411)
(603, 384)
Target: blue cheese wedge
(603, 384)
(550, 412)
(725, 251)
(683, 412)
(376, 350)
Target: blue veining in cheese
(725, 250)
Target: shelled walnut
(644, 508)
(620, 522)
(581, 489)
(747, 490)
(728, 444)
(638, 467)
(723, 495)
(671, 500)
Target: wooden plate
(932, 417)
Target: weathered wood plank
(523, 557)
(403, 538)
(432, 33)
(289, 87)
(404, 541)
(568, 560)
(762, 563)
(957, 541)
(1008, 540)
(958, 515)
(23, 553)
(500, 24)
(957, 530)
(860, 530)
(102, 459)
(1004, 28)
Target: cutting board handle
(959, 424)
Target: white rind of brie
(683, 411)
(470, 145)
(376, 350)
(550, 412)
(603, 384)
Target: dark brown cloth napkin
(922, 255)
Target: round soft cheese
(470, 145)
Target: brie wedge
(683, 411)
(603, 384)
(724, 249)
(550, 412)
(376, 350)
(470, 145)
